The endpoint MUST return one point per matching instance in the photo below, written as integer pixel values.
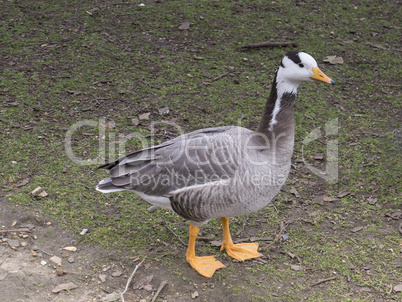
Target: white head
(297, 67)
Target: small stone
(83, 232)
(59, 271)
(296, 267)
(70, 248)
(13, 243)
(194, 295)
(43, 262)
(102, 277)
(43, 194)
(148, 287)
(56, 260)
(117, 274)
(23, 243)
(185, 25)
(115, 296)
(144, 116)
(319, 156)
(356, 229)
(135, 121)
(164, 110)
(152, 209)
(70, 259)
(398, 288)
(34, 254)
(39, 192)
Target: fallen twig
(323, 280)
(49, 254)
(16, 230)
(221, 76)
(283, 227)
(131, 278)
(178, 237)
(267, 44)
(163, 283)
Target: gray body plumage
(214, 172)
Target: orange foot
(206, 265)
(242, 251)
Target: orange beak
(321, 77)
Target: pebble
(59, 271)
(56, 260)
(70, 259)
(34, 254)
(70, 248)
(13, 243)
(102, 277)
(117, 274)
(295, 267)
(43, 262)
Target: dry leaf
(356, 229)
(343, 194)
(39, 192)
(318, 156)
(294, 192)
(334, 60)
(295, 267)
(22, 183)
(215, 243)
(164, 110)
(326, 198)
(185, 25)
(142, 282)
(144, 116)
(135, 121)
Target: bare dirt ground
(27, 274)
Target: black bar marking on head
(294, 56)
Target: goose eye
(301, 65)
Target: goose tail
(106, 186)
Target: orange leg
(241, 251)
(205, 266)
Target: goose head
(297, 67)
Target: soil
(27, 274)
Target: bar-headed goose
(223, 171)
